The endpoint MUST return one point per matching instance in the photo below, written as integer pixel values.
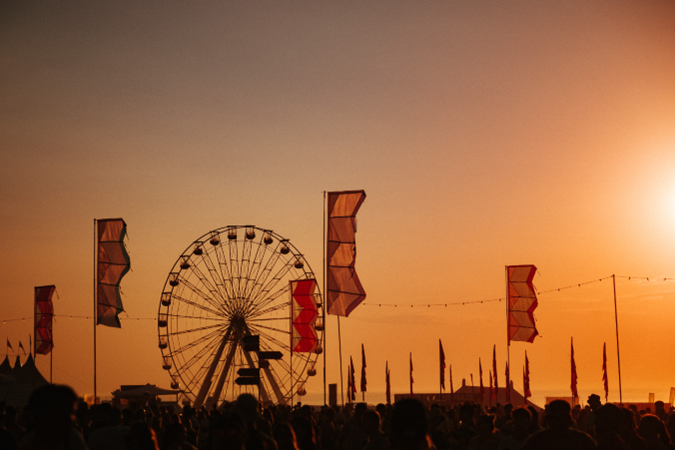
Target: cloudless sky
(484, 134)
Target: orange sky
(484, 134)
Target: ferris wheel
(230, 283)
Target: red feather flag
(388, 383)
(441, 357)
(491, 390)
(480, 375)
(526, 380)
(353, 375)
(494, 367)
(364, 383)
(575, 393)
(604, 370)
(349, 382)
(412, 394)
(304, 313)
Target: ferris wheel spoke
(265, 327)
(257, 306)
(245, 264)
(215, 274)
(272, 339)
(194, 359)
(267, 270)
(281, 273)
(274, 281)
(254, 319)
(235, 267)
(198, 305)
(224, 270)
(192, 330)
(255, 266)
(257, 313)
(196, 342)
(206, 281)
(199, 362)
(198, 292)
(185, 316)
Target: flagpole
(290, 369)
(95, 305)
(342, 391)
(35, 291)
(325, 293)
(616, 321)
(51, 352)
(508, 341)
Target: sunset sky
(485, 133)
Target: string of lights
(78, 317)
(428, 305)
(578, 285)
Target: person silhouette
(53, 409)
(559, 435)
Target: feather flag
(388, 383)
(575, 393)
(349, 383)
(304, 313)
(480, 375)
(526, 380)
(525, 386)
(604, 370)
(364, 383)
(112, 265)
(441, 357)
(494, 367)
(522, 301)
(492, 394)
(9, 345)
(412, 394)
(353, 375)
(21, 347)
(344, 288)
(43, 315)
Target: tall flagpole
(342, 391)
(508, 341)
(616, 321)
(290, 369)
(51, 353)
(325, 300)
(442, 372)
(95, 301)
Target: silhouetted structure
(17, 383)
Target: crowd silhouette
(56, 419)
